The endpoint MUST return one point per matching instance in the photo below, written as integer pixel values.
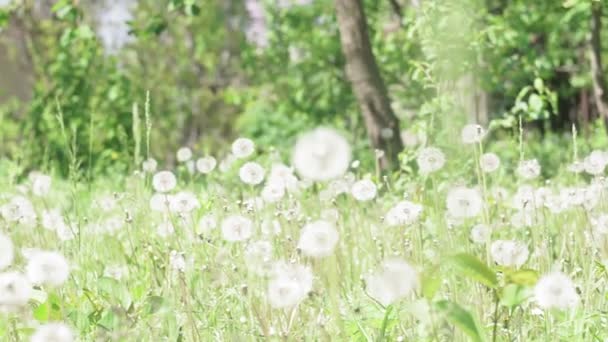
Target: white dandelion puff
(243, 148)
(555, 290)
(430, 159)
(318, 239)
(236, 228)
(321, 155)
(205, 165)
(251, 173)
(364, 190)
(393, 280)
(47, 268)
(164, 181)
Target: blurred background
(76, 76)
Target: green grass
(462, 295)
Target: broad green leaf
(539, 85)
(430, 282)
(527, 277)
(513, 295)
(473, 268)
(460, 318)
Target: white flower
(15, 291)
(528, 169)
(41, 183)
(226, 163)
(393, 280)
(113, 224)
(165, 228)
(321, 155)
(117, 272)
(206, 164)
(47, 268)
(53, 332)
(430, 159)
(489, 162)
(273, 192)
(464, 202)
(206, 224)
(7, 251)
(18, 209)
(160, 202)
(403, 213)
(66, 232)
(509, 253)
(243, 148)
(258, 256)
(524, 198)
(600, 224)
(290, 285)
(251, 173)
(107, 203)
(183, 202)
(364, 190)
(410, 138)
(164, 181)
(472, 134)
(184, 154)
(177, 261)
(481, 233)
(318, 239)
(555, 290)
(282, 174)
(149, 165)
(595, 163)
(237, 228)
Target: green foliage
(472, 267)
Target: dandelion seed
(165, 229)
(258, 256)
(480, 233)
(464, 202)
(251, 173)
(555, 290)
(528, 169)
(177, 261)
(183, 202)
(318, 239)
(236, 228)
(321, 155)
(472, 134)
(184, 154)
(489, 162)
(393, 280)
(41, 183)
(403, 213)
(206, 224)
(206, 164)
(53, 332)
(364, 190)
(430, 159)
(47, 268)
(7, 251)
(289, 285)
(595, 163)
(509, 253)
(164, 181)
(149, 165)
(15, 291)
(273, 192)
(243, 148)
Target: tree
(597, 70)
(367, 84)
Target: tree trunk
(597, 70)
(367, 84)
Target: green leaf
(460, 318)
(536, 103)
(473, 268)
(527, 277)
(513, 295)
(539, 85)
(430, 283)
(154, 304)
(49, 310)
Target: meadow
(249, 247)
